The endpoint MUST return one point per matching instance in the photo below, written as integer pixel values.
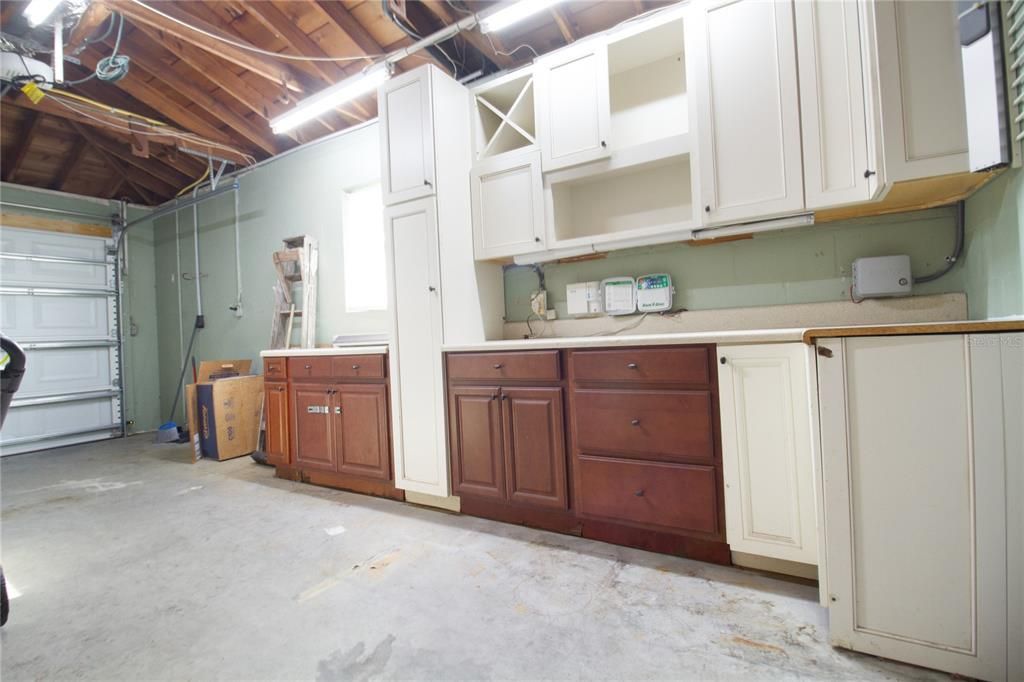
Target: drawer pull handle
(631, 365)
(635, 422)
(504, 397)
(639, 493)
(308, 366)
(355, 366)
(337, 410)
(498, 365)
(494, 397)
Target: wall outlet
(539, 303)
(552, 314)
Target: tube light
(513, 14)
(800, 220)
(39, 11)
(328, 98)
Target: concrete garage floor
(133, 563)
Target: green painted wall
(300, 193)
(995, 248)
(141, 364)
(812, 264)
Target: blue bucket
(167, 433)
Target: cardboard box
(228, 412)
(205, 373)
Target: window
(362, 228)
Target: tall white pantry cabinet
(438, 293)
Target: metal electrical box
(882, 276)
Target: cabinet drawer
(358, 366)
(309, 367)
(672, 496)
(645, 365)
(657, 424)
(541, 365)
(275, 369)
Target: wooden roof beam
(443, 11)
(152, 168)
(142, 55)
(70, 165)
(267, 67)
(284, 26)
(28, 129)
(159, 187)
(95, 16)
(565, 24)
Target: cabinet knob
(355, 366)
(639, 493)
(604, 144)
(707, 209)
(631, 365)
(504, 397)
(498, 365)
(308, 366)
(722, 360)
(431, 288)
(337, 410)
(635, 422)
(536, 239)
(426, 183)
(868, 174)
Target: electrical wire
(197, 182)
(252, 48)
(105, 107)
(115, 67)
(513, 50)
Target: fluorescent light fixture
(513, 14)
(39, 11)
(802, 220)
(328, 98)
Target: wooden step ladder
(296, 267)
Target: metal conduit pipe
(958, 248)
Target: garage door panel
(33, 421)
(68, 394)
(53, 371)
(56, 318)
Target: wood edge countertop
(310, 352)
(966, 327)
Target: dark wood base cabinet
(621, 445)
(328, 422)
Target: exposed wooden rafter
(70, 165)
(143, 180)
(565, 24)
(442, 10)
(28, 133)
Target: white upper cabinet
(407, 136)
(766, 451)
(508, 205)
(749, 118)
(573, 112)
(922, 88)
(842, 163)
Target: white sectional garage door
(58, 300)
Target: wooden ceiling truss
(190, 70)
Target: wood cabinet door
(407, 137)
(573, 108)
(748, 111)
(478, 467)
(534, 434)
(360, 430)
(508, 205)
(312, 426)
(766, 451)
(275, 409)
(839, 127)
(913, 438)
(417, 374)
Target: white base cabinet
(915, 435)
(766, 451)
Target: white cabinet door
(508, 205)
(766, 451)
(417, 379)
(749, 118)
(922, 88)
(407, 137)
(573, 110)
(841, 165)
(912, 434)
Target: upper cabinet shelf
(504, 117)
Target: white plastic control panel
(654, 293)
(619, 294)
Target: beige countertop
(311, 352)
(726, 337)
